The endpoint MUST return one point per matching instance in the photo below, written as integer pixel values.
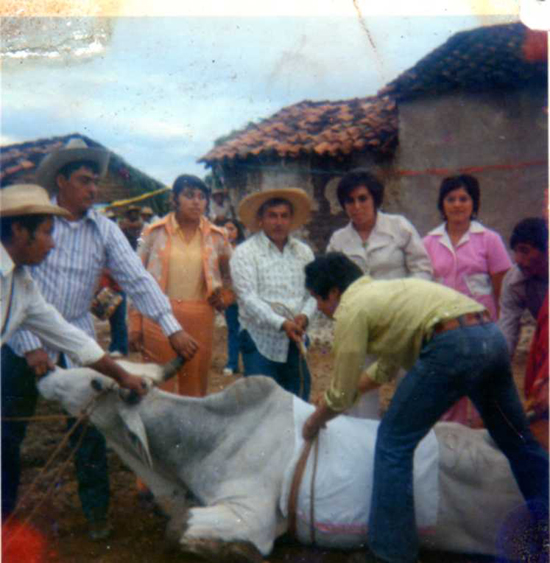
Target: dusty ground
(138, 532)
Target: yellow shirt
(391, 320)
(185, 276)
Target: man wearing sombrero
(26, 234)
(86, 243)
(268, 276)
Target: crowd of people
(441, 314)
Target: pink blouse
(468, 267)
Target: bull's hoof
(218, 551)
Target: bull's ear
(135, 432)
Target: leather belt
(468, 319)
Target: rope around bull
(82, 419)
(284, 311)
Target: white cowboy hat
(27, 199)
(75, 150)
(300, 201)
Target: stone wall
(503, 135)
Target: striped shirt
(68, 277)
(270, 283)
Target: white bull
(233, 453)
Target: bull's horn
(171, 368)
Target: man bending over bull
(268, 276)
(451, 349)
(26, 234)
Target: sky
(159, 90)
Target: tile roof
(323, 128)
(16, 158)
(25, 156)
(477, 60)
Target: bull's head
(76, 388)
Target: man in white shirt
(87, 243)
(26, 239)
(268, 276)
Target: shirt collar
(382, 225)
(475, 227)
(268, 243)
(91, 214)
(7, 265)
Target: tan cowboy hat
(300, 201)
(75, 150)
(147, 211)
(27, 199)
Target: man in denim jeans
(450, 349)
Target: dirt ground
(138, 535)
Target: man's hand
(293, 331)
(302, 321)
(366, 384)
(39, 361)
(183, 344)
(317, 420)
(135, 341)
(136, 385)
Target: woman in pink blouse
(466, 256)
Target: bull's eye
(96, 385)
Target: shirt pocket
(479, 284)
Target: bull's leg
(240, 531)
(215, 551)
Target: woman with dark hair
(466, 256)
(235, 234)
(189, 258)
(384, 246)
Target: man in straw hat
(268, 276)
(147, 216)
(87, 243)
(26, 239)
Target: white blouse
(393, 250)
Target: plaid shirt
(269, 283)
(69, 276)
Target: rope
(312, 491)
(82, 418)
(31, 418)
(285, 312)
(295, 488)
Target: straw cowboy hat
(27, 199)
(147, 211)
(300, 201)
(75, 150)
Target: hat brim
(298, 198)
(48, 169)
(35, 209)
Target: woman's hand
(216, 299)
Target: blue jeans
(471, 361)
(119, 330)
(292, 375)
(19, 397)
(233, 327)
